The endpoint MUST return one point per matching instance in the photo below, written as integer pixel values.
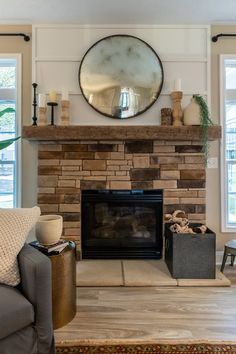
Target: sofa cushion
(16, 311)
(15, 225)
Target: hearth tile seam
(122, 272)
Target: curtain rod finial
(25, 36)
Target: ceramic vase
(192, 115)
(49, 229)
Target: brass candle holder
(177, 112)
(65, 116)
(42, 120)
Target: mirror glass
(121, 76)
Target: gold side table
(63, 287)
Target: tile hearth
(137, 273)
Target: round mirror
(121, 76)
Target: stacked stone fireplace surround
(65, 168)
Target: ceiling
(118, 11)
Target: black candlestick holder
(52, 105)
(34, 104)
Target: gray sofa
(26, 310)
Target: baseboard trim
(219, 256)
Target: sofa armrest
(36, 285)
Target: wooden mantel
(142, 132)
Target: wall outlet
(212, 162)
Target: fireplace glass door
(122, 224)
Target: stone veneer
(65, 168)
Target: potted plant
(5, 143)
(197, 113)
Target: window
(10, 74)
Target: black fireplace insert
(122, 224)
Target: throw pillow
(15, 225)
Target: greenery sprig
(205, 122)
(6, 110)
(5, 143)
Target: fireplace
(72, 159)
(120, 224)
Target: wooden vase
(177, 112)
(65, 116)
(42, 116)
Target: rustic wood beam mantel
(142, 132)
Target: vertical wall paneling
(183, 50)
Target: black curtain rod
(215, 38)
(26, 37)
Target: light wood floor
(151, 314)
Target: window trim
(225, 227)
(18, 151)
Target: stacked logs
(181, 224)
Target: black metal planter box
(190, 256)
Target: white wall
(183, 50)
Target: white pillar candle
(42, 100)
(177, 85)
(65, 95)
(53, 96)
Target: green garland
(205, 122)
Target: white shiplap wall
(183, 50)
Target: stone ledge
(156, 132)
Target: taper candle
(177, 85)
